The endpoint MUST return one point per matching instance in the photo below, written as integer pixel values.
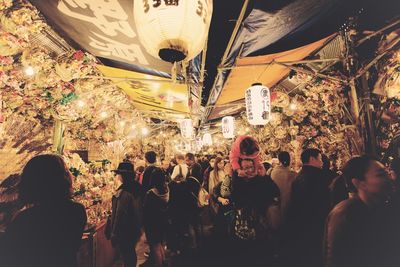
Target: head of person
(248, 166)
(125, 173)
(212, 161)
(220, 154)
(165, 164)
(367, 176)
(45, 179)
(190, 160)
(228, 169)
(219, 164)
(150, 157)
(139, 169)
(267, 165)
(312, 157)
(248, 146)
(159, 181)
(326, 163)
(284, 158)
(180, 158)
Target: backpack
(179, 177)
(202, 197)
(249, 225)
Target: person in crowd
(326, 167)
(165, 168)
(246, 147)
(308, 208)
(155, 218)
(48, 231)
(9, 201)
(217, 175)
(338, 190)
(139, 174)
(283, 176)
(150, 157)
(254, 198)
(363, 231)
(178, 206)
(126, 217)
(181, 170)
(208, 170)
(193, 166)
(267, 166)
(226, 185)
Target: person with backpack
(125, 225)
(151, 158)
(254, 198)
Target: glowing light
(145, 131)
(228, 127)
(103, 114)
(293, 106)
(258, 104)
(80, 103)
(122, 123)
(247, 129)
(29, 70)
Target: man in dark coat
(150, 158)
(308, 208)
(194, 167)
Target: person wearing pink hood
(246, 147)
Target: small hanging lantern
(186, 128)
(228, 127)
(258, 104)
(207, 139)
(173, 30)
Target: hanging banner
(151, 93)
(105, 28)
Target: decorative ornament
(258, 104)
(228, 127)
(173, 30)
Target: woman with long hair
(217, 175)
(155, 216)
(48, 231)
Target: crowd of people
(257, 213)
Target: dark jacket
(360, 236)
(147, 177)
(307, 211)
(44, 236)
(126, 216)
(155, 217)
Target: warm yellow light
(103, 114)
(80, 103)
(292, 106)
(145, 131)
(29, 70)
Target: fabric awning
(249, 70)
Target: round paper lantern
(258, 104)
(173, 30)
(186, 128)
(228, 127)
(207, 139)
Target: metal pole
(369, 123)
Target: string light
(80, 103)
(145, 131)
(292, 106)
(103, 115)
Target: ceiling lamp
(228, 127)
(258, 104)
(173, 30)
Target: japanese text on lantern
(109, 17)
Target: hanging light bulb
(186, 126)
(103, 114)
(80, 103)
(145, 131)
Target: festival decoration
(186, 126)
(207, 139)
(173, 30)
(228, 127)
(258, 105)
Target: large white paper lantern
(207, 139)
(186, 128)
(258, 104)
(173, 30)
(228, 127)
